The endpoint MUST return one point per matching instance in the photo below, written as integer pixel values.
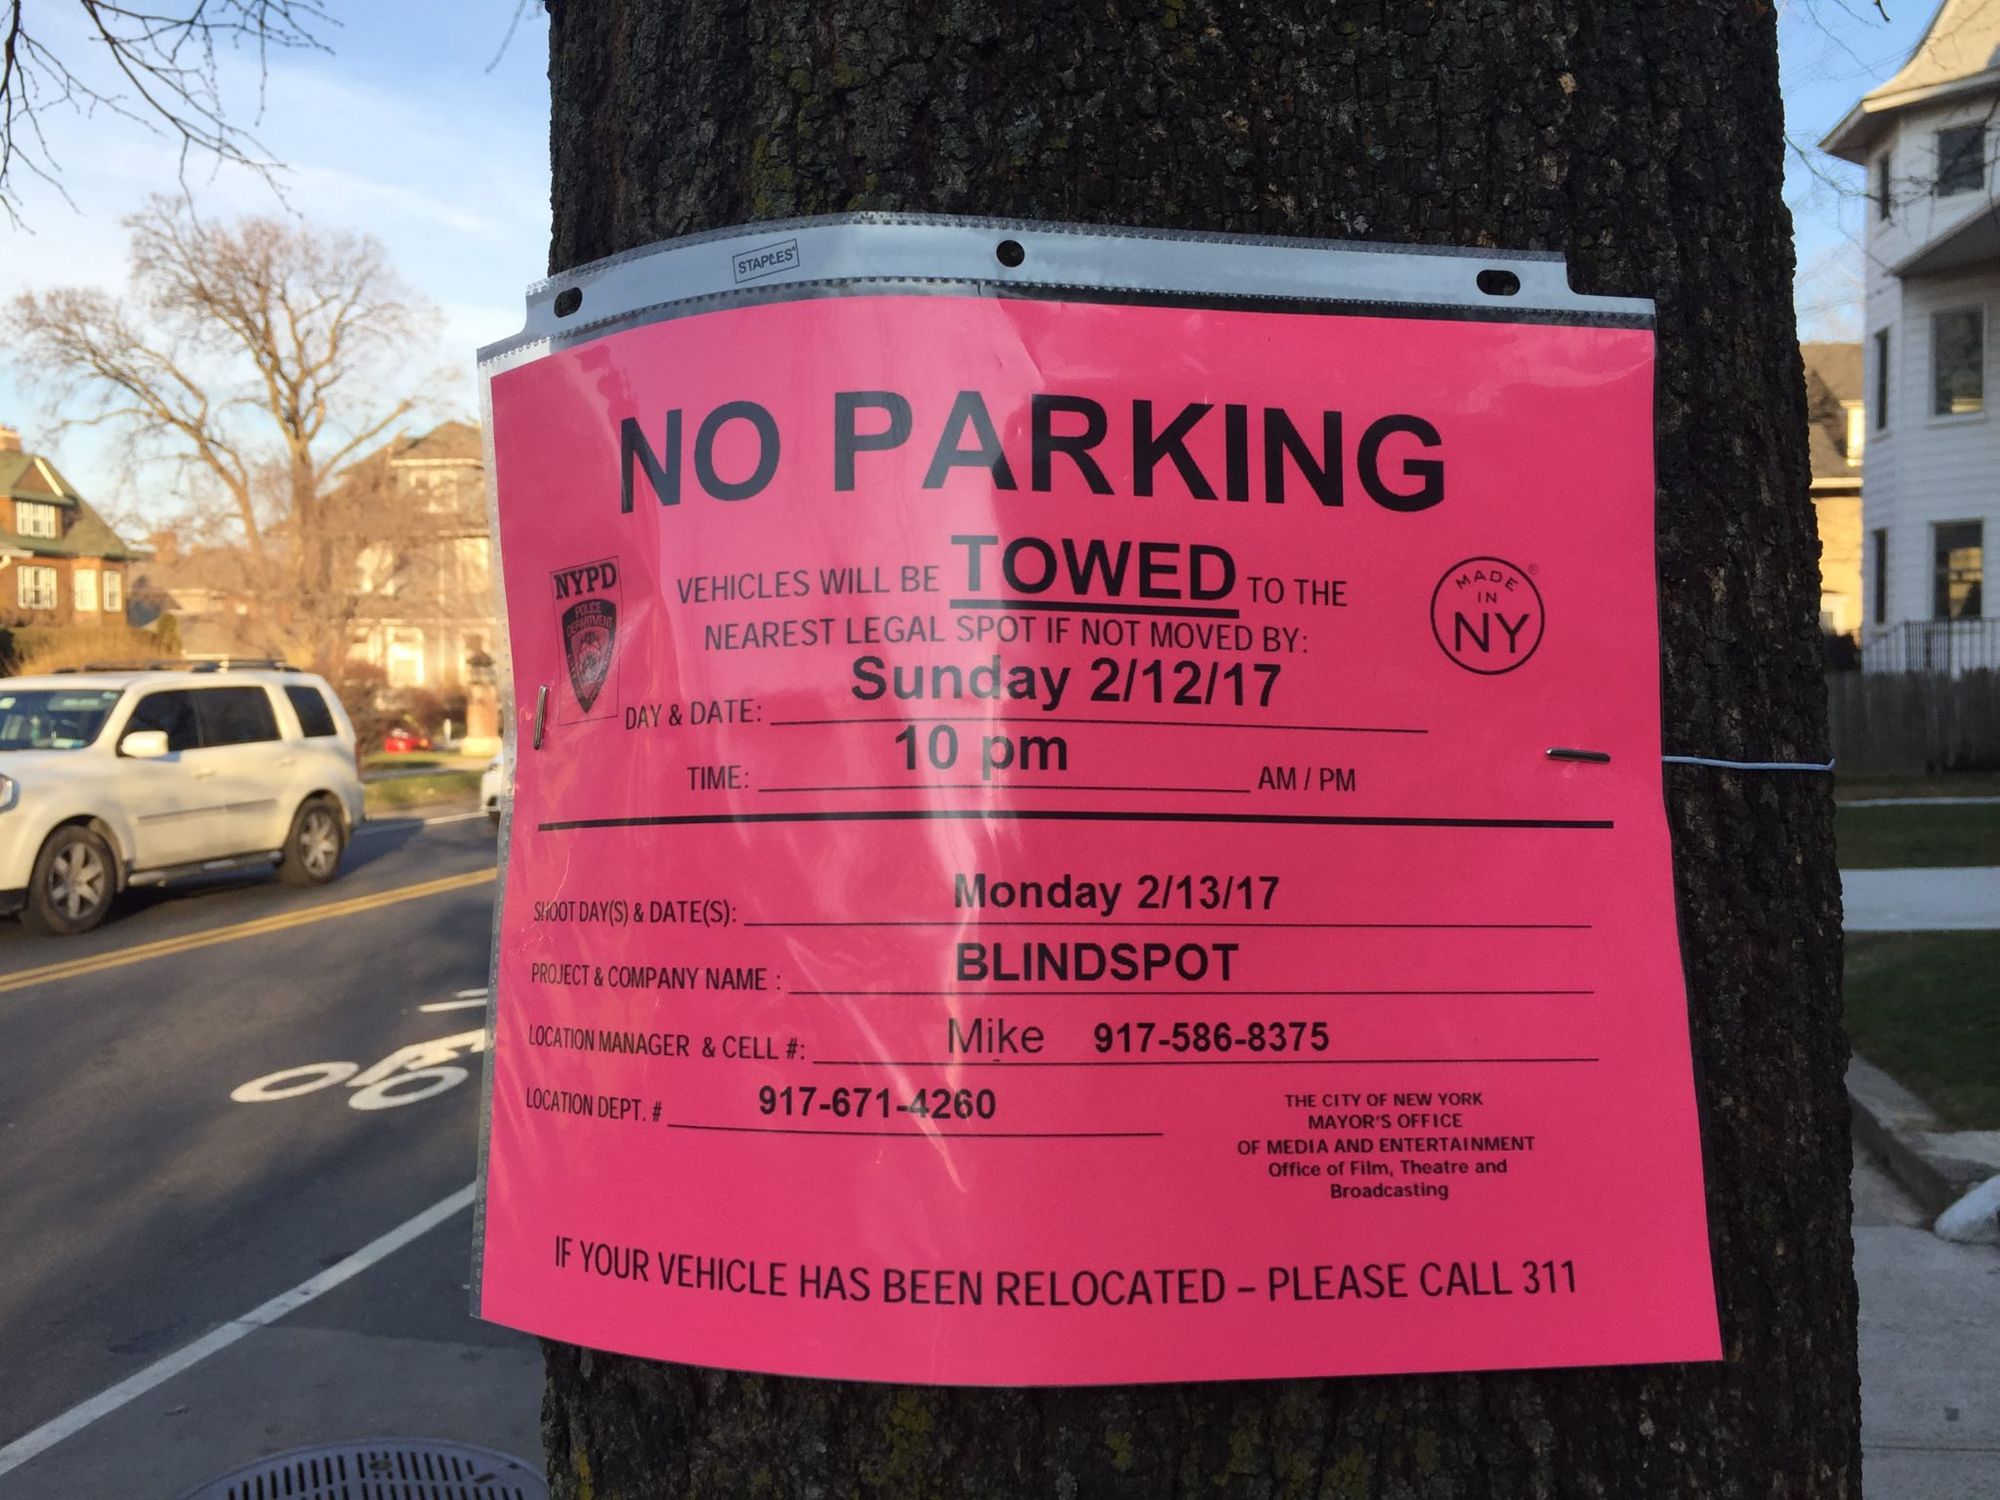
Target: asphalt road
(142, 1206)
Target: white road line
(383, 825)
(105, 1402)
(466, 1000)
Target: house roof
(437, 479)
(215, 570)
(1958, 44)
(447, 441)
(1833, 378)
(1959, 53)
(26, 476)
(1835, 367)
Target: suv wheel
(314, 846)
(74, 879)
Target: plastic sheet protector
(1034, 852)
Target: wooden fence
(1914, 723)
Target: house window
(1958, 362)
(1882, 200)
(37, 588)
(1881, 379)
(85, 580)
(1881, 577)
(114, 593)
(32, 518)
(1961, 160)
(1959, 568)
(404, 664)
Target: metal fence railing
(1939, 646)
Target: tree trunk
(1643, 141)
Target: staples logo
(767, 260)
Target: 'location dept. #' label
(1042, 864)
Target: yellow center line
(22, 979)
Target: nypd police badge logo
(587, 604)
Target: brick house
(60, 562)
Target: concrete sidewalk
(1940, 900)
(1930, 1357)
(391, 1354)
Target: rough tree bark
(1643, 141)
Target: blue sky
(401, 132)
(1830, 53)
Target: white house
(424, 603)
(1928, 139)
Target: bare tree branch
(162, 68)
(513, 25)
(260, 359)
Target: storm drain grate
(381, 1469)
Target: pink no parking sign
(1042, 863)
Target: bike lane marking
(380, 1087)
(80, 1416)
(22, 979)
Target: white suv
(111, 779)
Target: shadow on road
(377, 840)
(377, 837)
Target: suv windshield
(52, 718)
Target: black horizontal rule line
(974, 926)
(932, 1135)
(1063, 815)
(1085, 719)
(1162, 994)
(1293, 1061)
(1009, 786)
(1090, 607)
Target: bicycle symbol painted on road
(409, 1075)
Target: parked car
(111, 779)
(403, 738)
(493, 787)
